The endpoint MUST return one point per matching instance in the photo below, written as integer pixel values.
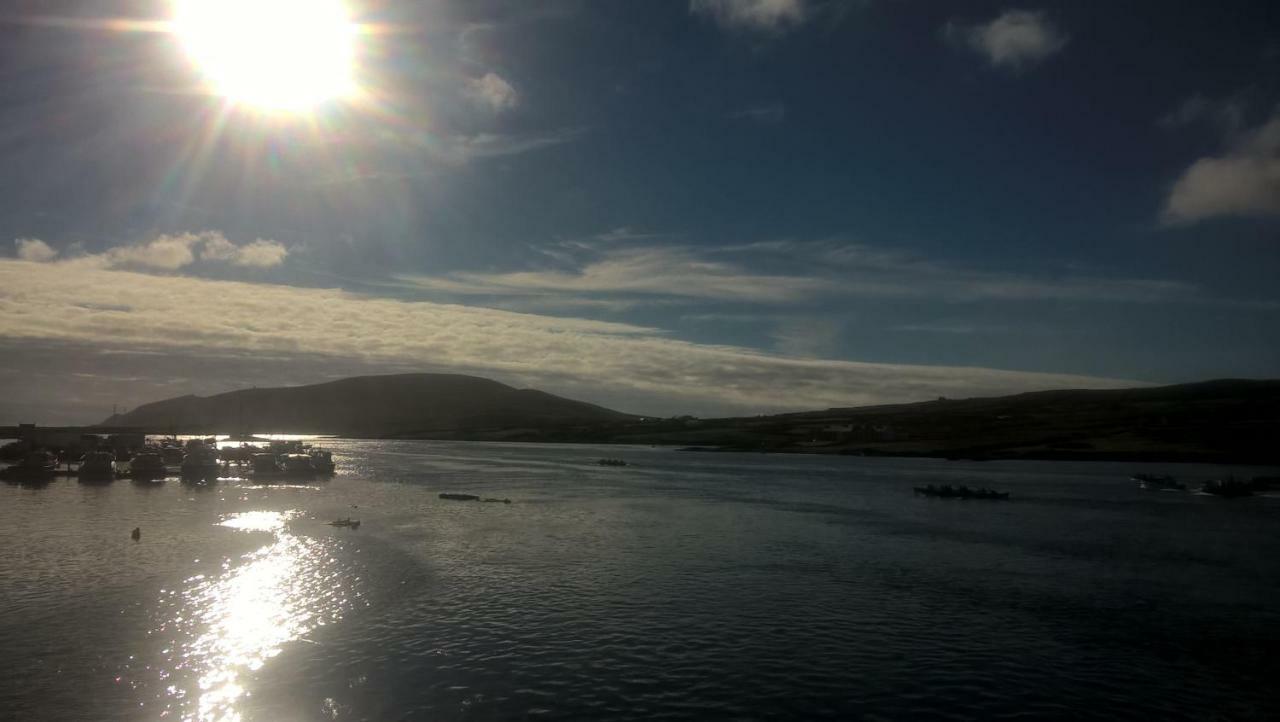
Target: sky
(667, 207)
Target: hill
(395, 405)
(1215, 421)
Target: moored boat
(35, 466)
(147, 466)
(1228, 488)
(265, 466)
(946, 491)
(297, 466)
(1153, 482)
(97, 466)
(322, 461)
(200, 462)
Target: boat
(1228, 488)
(200, 462)
(1153, 482)
(612, 462)
(459, 497)
(270, 467)
(297, 466)
(97, 466)
(322, 461)
(265, 466)
(35, 466)
(147, 466)
(1265, 483)
(946, 491)
(241, 454)
(172, 455)
(348, 522)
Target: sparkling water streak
(237, 620)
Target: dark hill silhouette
(1227, 420)
(395, 405)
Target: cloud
(769, 114)
(765, 15)
(493, 91)
(820, 270)
(1227, 115)
(255, 254)
(168, 253)
(653, 271)
(117, 309)
(804, 336)
(34, 250)
(174, 252)
(494, 145)
(1015, 40)
(1244, 181)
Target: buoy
(137, 533)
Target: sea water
(682, 586)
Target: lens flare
(274, 55)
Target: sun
(273, 55)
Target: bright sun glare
(279, 55)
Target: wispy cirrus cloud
(759, 15)
(648, 271)
(1014, 40)
(798, 272)
(103, 307)
(1225, 114)
(1242, 181)
(765, 114)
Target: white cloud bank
(86, 305)
(768, 15)
(1244, 181)
(1014, 40)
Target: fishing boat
(265, 466)
(35, 466)
(297, 466)
(97, 466)
(1228, 488)
(1153, 482)
(946, 491)
(241, 454)
(200, 462)
(322, 461)
(147, 466)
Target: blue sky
(701, 206)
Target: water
(685, 586)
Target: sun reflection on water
(229, 624)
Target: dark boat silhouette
(1228, 488)
(97, 467)
(37, 467)
(1153, 482)
(946, 491)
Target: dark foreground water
(690, 586)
